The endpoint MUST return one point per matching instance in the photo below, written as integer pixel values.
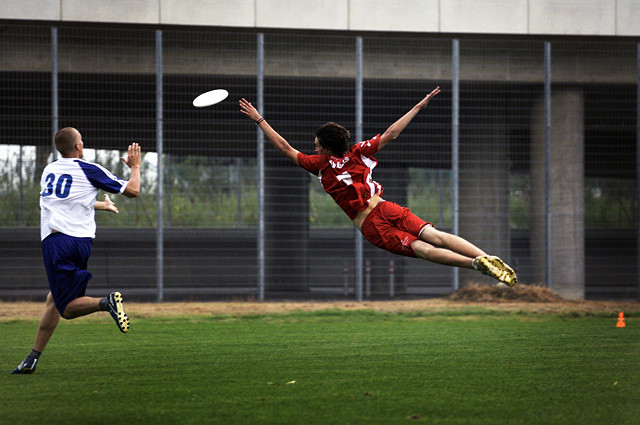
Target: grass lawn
(328, 367)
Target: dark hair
(66, 139)
(334, 137)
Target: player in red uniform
(345, 174)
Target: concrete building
(483, 27)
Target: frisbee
(210, 98)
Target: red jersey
(348, 179)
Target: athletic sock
(34, 354)
(104, 304)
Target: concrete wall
(559, 17)
(198, 265)
(91, 49)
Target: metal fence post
(260, 165)
(455, 143)
(238, 171)
(392, 278)
(55, 114)
(638, 155)
(367, 273)
(160, 172)
(547, 160)
(345, 274)
(359, 254)
(54, 117)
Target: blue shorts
(65, 259)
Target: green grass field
(328, 367)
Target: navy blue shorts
(65, 259)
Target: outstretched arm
(396, 128)
(106, 205)
(133, 161)
(276, 139)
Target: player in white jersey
(68, 190)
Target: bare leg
(445, 248)
(81, 307)
(87, 305)
(451, 250)
(48, 323)
(50, 319)
(451, 242)
(440, 255)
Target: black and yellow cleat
(511, 278)
(117, 311)
(496, 268)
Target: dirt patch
(498, 293)
(521, 298)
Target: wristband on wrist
(259, 121)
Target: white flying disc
(210, 98)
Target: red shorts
(393, 228)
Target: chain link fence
(556, 199)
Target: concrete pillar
(567, 193)
(484, 184)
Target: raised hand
(249, 110)
(428, 97)
(133, 156)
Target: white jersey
(68, 191)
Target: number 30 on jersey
(61, 186)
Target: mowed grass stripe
(326, 368)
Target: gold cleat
(496, 268)
(511, 277)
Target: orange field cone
(620, 321)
